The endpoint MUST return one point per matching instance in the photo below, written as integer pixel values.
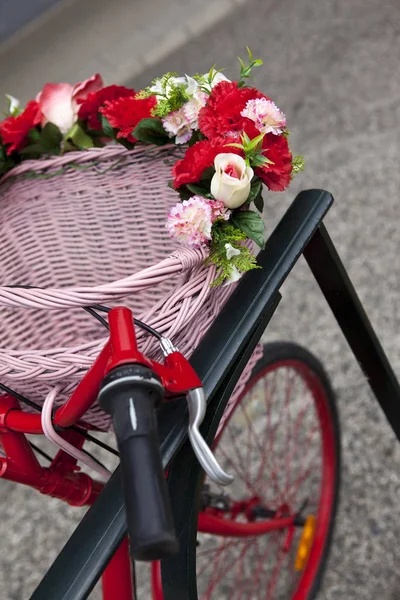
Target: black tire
(186, 478)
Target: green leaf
(251, 224)
(198, 189)
(33, 151)
(6, 162)
(107, 129)
(151, 131)
(196, 137)
(51, 138)
(79, 137)
(207, 174)
(250, 54)
(34, 135)
(298, 164)
(255, 141)
(246, 139)
(259, 202)
(235, 145)
(256, 195)
(184, 193)
(242, 65)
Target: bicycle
(99, 546)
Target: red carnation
(14, 130)
(90, 106)
(124, 114)
(221, 115)
(198, 158)
(276, 176)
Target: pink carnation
(219, 210)
(190, 221)
(266, 115)
(177, 124)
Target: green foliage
(6, 162)
(151, 131)
(176, 99)
(256, 194)
(200, 190)
(223, 233)
(251, 224)
(253, 150)
(46, 141)
(78, 137)
(196, 137)
(245, 70)
(171, 95)
(206, 81)
(298, 164)
(51, 138)
(107, 129)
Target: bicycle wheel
(266, 536)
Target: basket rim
(179, 261)
(80, 157)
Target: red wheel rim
(213, 565)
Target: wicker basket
(87, 228)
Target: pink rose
(58, 102)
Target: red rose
(124, 114)
(221, 115)
(276, 176)
(199, 157)
(14, 130)
(90, 106)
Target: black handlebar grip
(130, 393)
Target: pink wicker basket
(87, 228)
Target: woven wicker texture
(86, 228)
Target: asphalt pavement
(333, 67)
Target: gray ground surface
(333, 68)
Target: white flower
(216, 77)
(176, 124)
(266, 115)
(193, 107)
(13, 105)
(191, 85)
(234, 276)
(161, 91)
(235, 273)
(232, 180)
(231, 251)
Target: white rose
(232, 180)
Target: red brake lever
(176, 374)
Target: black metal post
(341, 296)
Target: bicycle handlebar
(130, 393)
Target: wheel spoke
(223, 572)
(263, 452)
(273, 444)
(280, 559)
(242, 474)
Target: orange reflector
(305, 543)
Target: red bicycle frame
(63, 479)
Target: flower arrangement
(235, 140)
